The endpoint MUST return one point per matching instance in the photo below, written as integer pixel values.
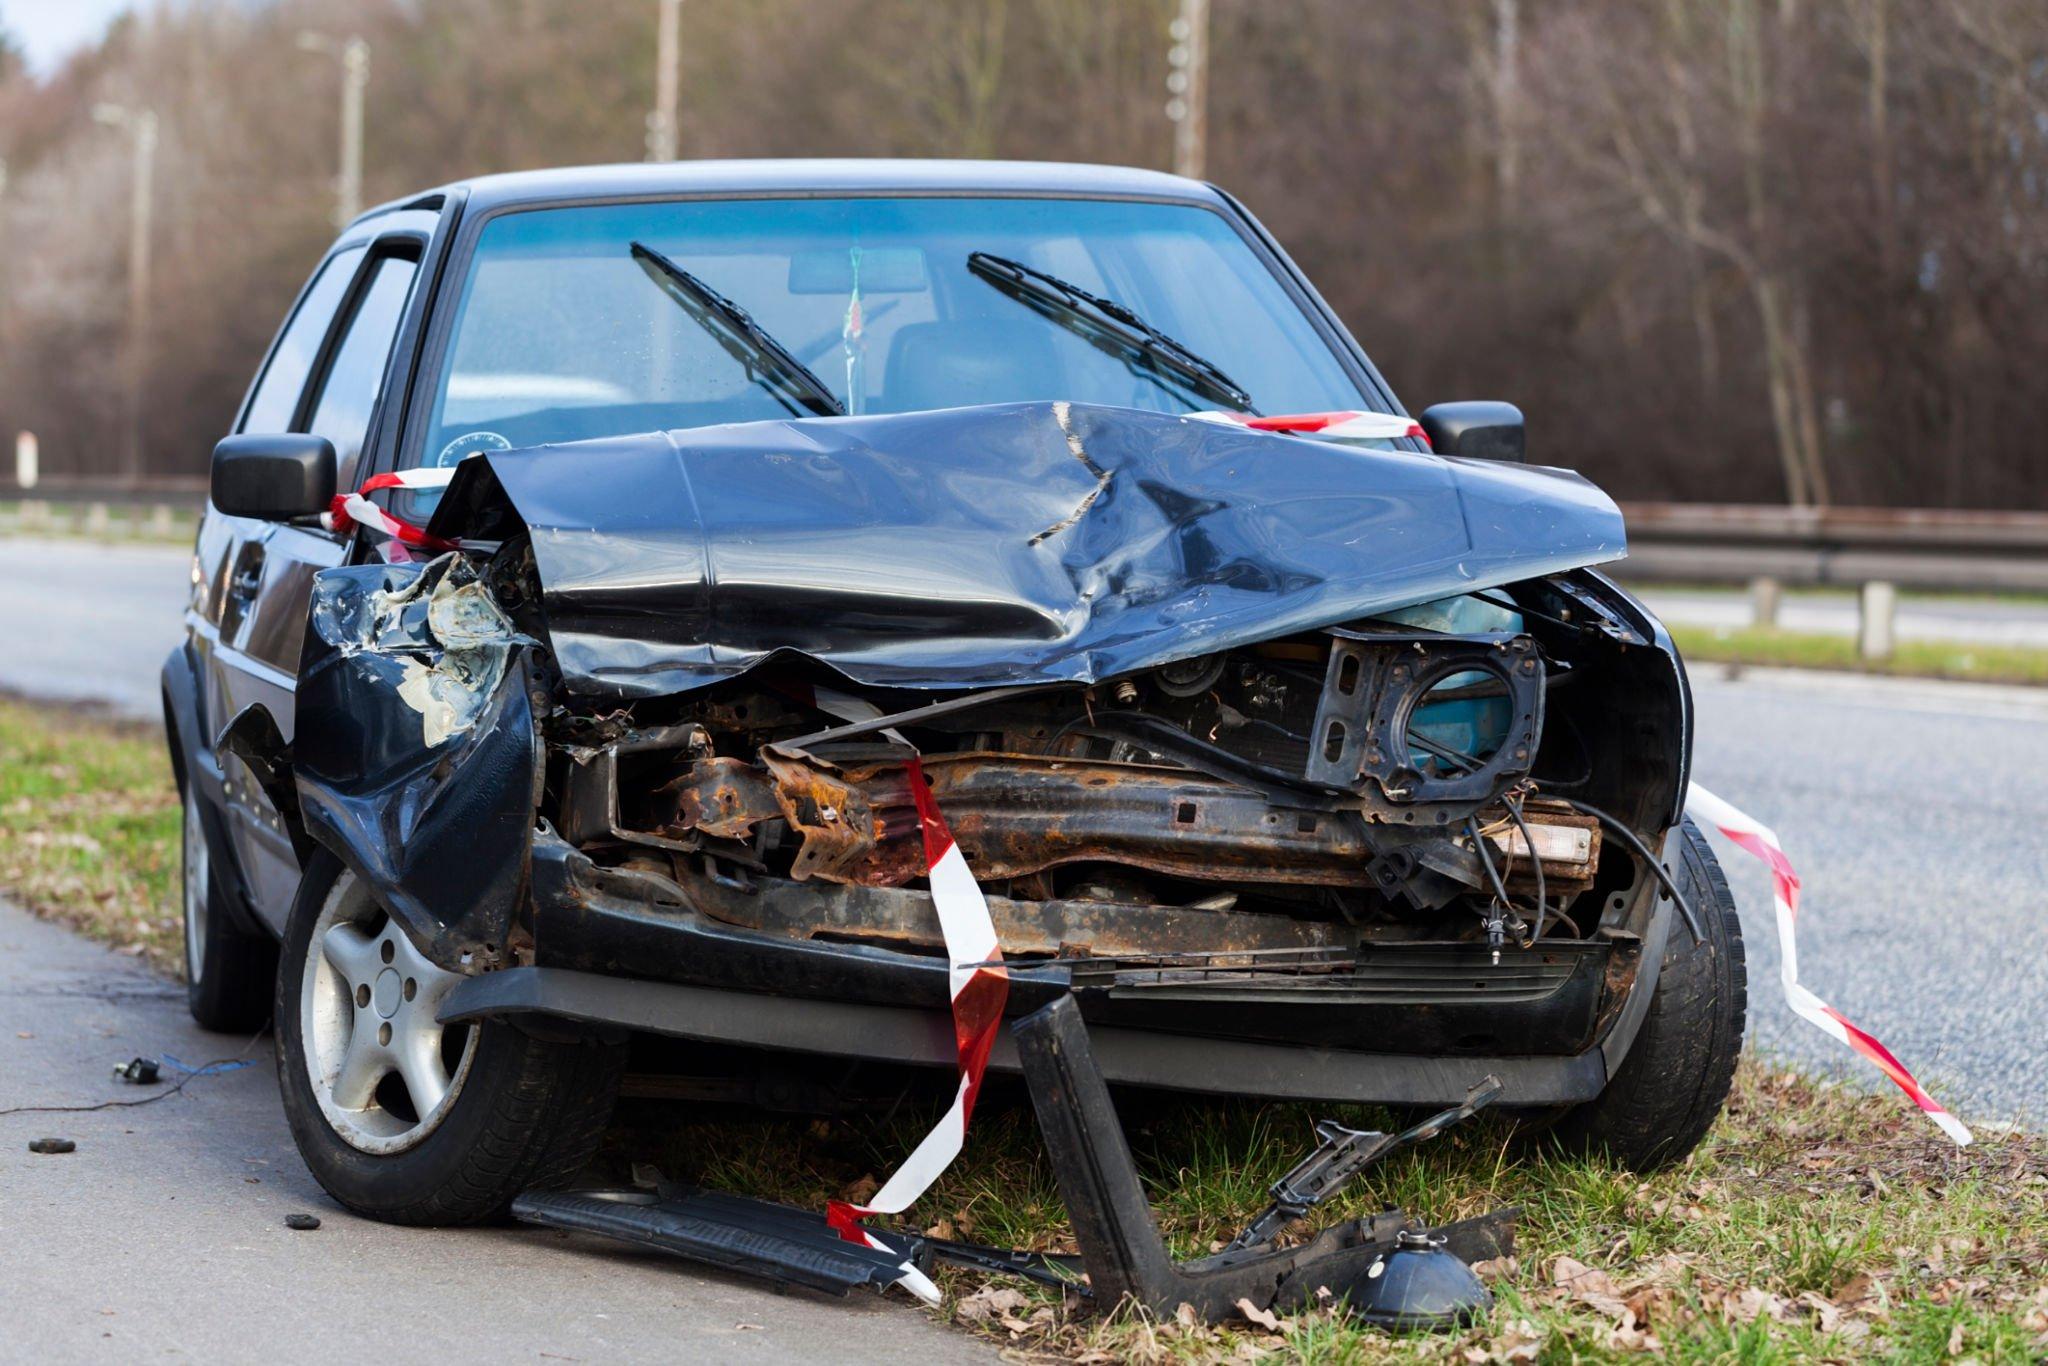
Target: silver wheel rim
(384, 1070)
(196, 882)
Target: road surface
(1972, 621)
(81, 620)
(162, 1237)
(1912, 812)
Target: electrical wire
(1486, 859)
(204, 1070)
(1642, 851)
(1514, 806)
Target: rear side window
(277, 393)
(348, 394)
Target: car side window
(355, 377)
(276, 399)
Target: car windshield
(563, 333)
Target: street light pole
(354, 56)
(141, 126)
(668, 53)
(1187, 87)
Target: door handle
(245, 580)
(248, 575)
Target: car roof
(798, 177)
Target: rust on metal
(903, 917)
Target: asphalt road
(85, 621)
(163, 1237)
(1913, 814)
(1974, 621)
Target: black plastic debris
(302, 1223)
(1387, 1269)
(52, 1145)
(139, 1071)
(785, 1245)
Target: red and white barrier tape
(979, 993)
(1350, 424)
(356, 509)
(1759, 840)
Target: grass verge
(1815, 1223)
(89, 827)
(1912, 659)
(114, 524)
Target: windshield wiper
(1110, 327)
(767, 361)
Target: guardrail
(185, 492)
(1849, 547)
(1672, 542)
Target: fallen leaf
(860, 1191)
(1496, 1268)
(991, 1302)
(1827, 1314)
(1750, 1304)
(1521, 1342)
(1588, 1285)
(1955, 1339)
(1262, 1317)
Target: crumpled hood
(1014, 543)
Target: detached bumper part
(1386, 1269)
(784, 1245)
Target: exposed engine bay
(1377, 782)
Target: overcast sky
(50, 30)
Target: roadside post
(1876, 624)
(27, 461)
(1765, 594)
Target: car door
(269, 569)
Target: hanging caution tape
(980, 987)
(1759, 840)
(1349, 424)
(349, 510)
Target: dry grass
(1815, 1224)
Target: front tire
(1668, 1091)
(230, 975)
(400, 1118)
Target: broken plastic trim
(1386, 1269)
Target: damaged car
(607, 566)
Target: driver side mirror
(275, 476)
(1479, 429)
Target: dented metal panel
(415, 751)
(1014, 543)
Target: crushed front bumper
(1396, 1024)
